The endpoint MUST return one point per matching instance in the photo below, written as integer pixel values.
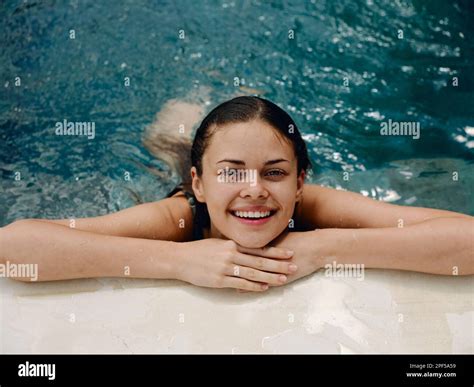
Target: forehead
(255, 138)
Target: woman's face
(249, 183)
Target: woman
(233, 223)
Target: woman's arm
(168, 219)
(438, 246)
(350, 228)
(59, 252)
(64, 253)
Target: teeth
(250, 214)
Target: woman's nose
(255, 190)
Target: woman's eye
(227, 171)
(275, 173)
(230, 173)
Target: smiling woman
(248, 134)
(217, 233)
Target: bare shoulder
(324, 207)
(167, 219)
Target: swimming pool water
(346, 70)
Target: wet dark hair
(246, 109)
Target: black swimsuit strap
(198, 221)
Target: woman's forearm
(63, 253)
(438, 246)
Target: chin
(252, 242)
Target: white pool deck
(387, 312)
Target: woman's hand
(308, 248)
(222, 263)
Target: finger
(256, 275)
(240, 283)
(265, 264)
(269, 252)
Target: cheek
(286, 197)
(219, 197)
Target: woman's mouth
(254, 218)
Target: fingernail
(292, 268)
(282, 278)
(265, 287)
(289, 253)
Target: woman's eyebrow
(241, 162)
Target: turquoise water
(82, 79)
